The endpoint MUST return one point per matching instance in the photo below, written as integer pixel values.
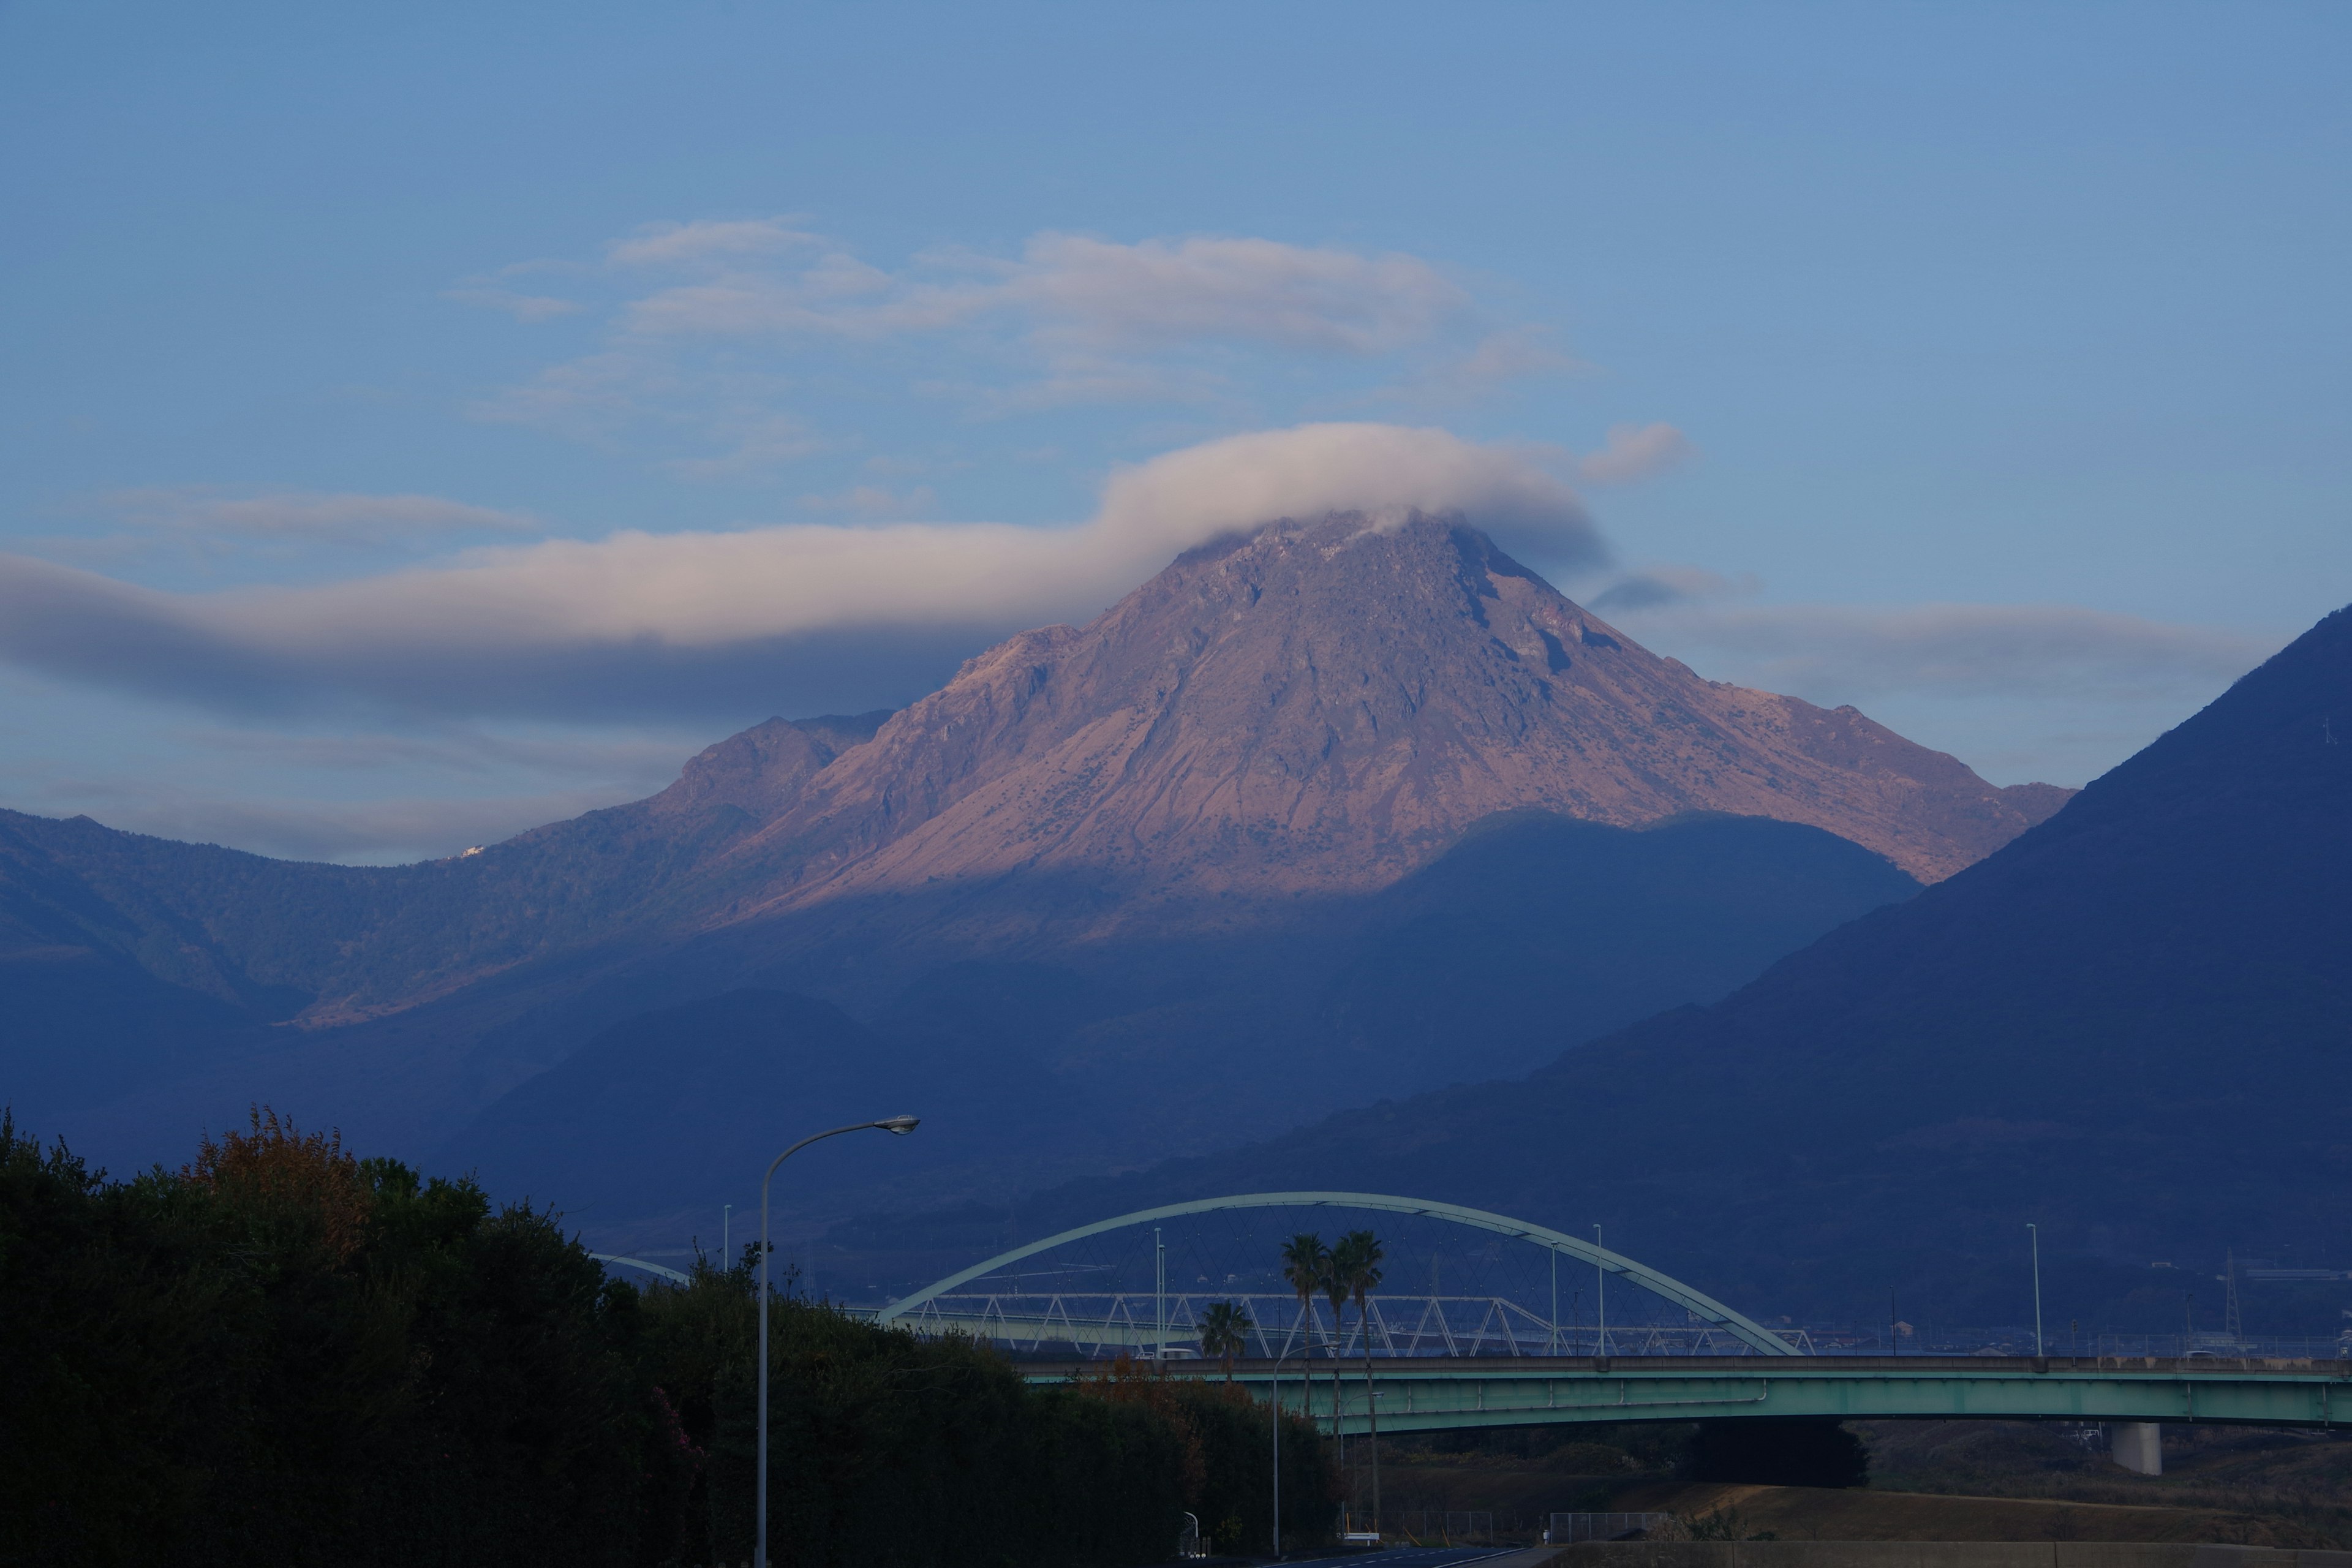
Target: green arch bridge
(1771, 1377)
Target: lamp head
(899, 1124)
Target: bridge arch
(660, 1271)
(1705, 1308)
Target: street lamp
(898, 1124)
(2034, 1233)
(1601, 1298)
(1274, 1411)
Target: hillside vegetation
(284, 1354)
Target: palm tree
(1306, 1262)
(1356, 1263)
(1335, 1285)
(1224, 1331)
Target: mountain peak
(1323, 706)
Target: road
(1444, 1557)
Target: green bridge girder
(1447, 1394)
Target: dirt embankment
(1818, 1513)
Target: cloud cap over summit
(792, 616)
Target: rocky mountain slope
(2132, 1026)
(1322, 708)
(1309, 710)
(1178, 812)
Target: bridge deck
(1436, 1393)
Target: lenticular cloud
(790, 619)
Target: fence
(1566, 1529)
(1429, 1526)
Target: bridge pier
(2137, 1446)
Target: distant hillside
(2133, 1025)
(1536, 928)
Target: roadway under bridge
(1431, 1394)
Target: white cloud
(1383, 469)
(1634, 452)
(644, 622)
(338, 517)
(874, 500)
(521, 307)
(463, 752)
(1655, 586)
(759, 442)
(392, 831)
(1162, 293)
(1068, 319)
(1509, 356)
(675, 244)
(1074, 291)
(590, 399)
(1841, 654)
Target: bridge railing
(1107, 1323)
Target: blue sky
(1983, 367)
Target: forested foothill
(284, 1354)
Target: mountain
(1322, 708)
(1298, 710)
(1164, 833)
(1534, 926)
(2132, 1026)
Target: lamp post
(897, 1124)
(1600, 1298)
(2034, 1233)
(1274, 1411)
(1551, 1346)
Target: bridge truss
(1100, 1323)
(1701, 1311)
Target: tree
(1335, 1287)
(288, 1353)
(1356, 1264)
(1224, 1329)
(1306, 1263)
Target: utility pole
(726, 1235)
(1159, 1286)
(1554, 1347)
(2035, 1231)
(1894, 1345)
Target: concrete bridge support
(2137, 1446)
